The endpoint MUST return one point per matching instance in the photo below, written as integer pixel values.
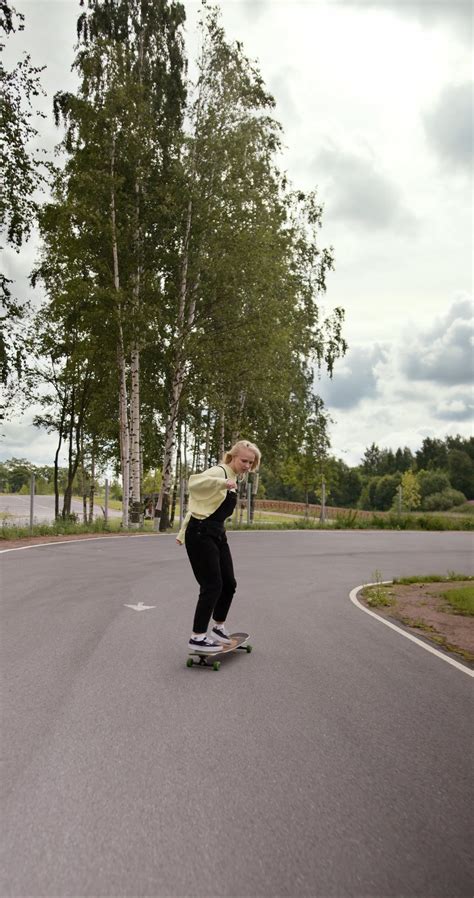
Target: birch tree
(229, 96)
(122, 130)
(250, 327)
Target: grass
(450, 577)
(466, 509)
(349, 520)
(99, 499)
(377, 595)
(66, 528)
(418, 624)
(461, 600)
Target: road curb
(424, 645)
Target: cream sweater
(206, 492)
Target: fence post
(32, 501)
(399, 498)
(249, 501)
(322, 516)
(106, 501)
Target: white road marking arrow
(140, 607)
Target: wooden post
(106, 501)
(32, 501)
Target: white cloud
(449, 125)
(20, 439)
(360, 192)
(458, 406)
(355, 379)
(255, 9)
(417, 385)
(442, 353)
(455, 13)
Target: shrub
(346, 520)
(432, 482)
(385, 491)
(448, 498)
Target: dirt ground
(421, 608)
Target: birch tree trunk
(124, 433)
(177, 476)
(135, 441)
(68, 491)
(56, 459)
(76, 428)
(92, 487)
(135, 467)
(83, 482)
(242, 401)
(222, 434)
(184, 324)
(207, 444)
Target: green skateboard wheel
(216, 665)
(189, 662)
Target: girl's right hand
(230, 485)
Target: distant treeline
(438, 476)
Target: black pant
(211, 561)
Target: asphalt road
(332, 761)
(18, 507)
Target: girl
(212, 499)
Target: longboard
(212, 659)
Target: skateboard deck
(213, 659)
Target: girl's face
(242, 462)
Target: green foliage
(438, 466)
(22, 173)
(385, 491)
(418, 522)
(15, 477)
(461, 472)
(444, 500)
(57, 528)
(377, 595)
(432, 481)
(432, 455)
(344, 484)
(348, 520)
(378, 462)
(462, 600)
(467, 509)
(411, 496)
(450, 577)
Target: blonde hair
(236, 449)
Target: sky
(375, 99)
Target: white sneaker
(221, 634)
(205, 645)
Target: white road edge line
(424, 645)
(88, 539)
